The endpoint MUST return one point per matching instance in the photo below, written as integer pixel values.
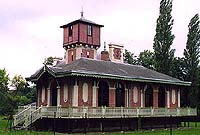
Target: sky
(30, 29)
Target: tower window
(89, 30)
(70, 30)
(72, 56)
(88, 54)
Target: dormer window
(89, 30)
(70, 30)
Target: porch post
(94, 95)
(179, 104)
(168, 104)
(48, 97)
(38, 97)
(58, 95)
(75, 95)
(155, 98)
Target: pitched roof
(82, 20)
(107, 69)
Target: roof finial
(104, 46)
(82, 12)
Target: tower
(81, 39)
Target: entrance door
(54, 95)
(119, 95)
(103, 94)
(149, 97)
(161, 97)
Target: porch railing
(78, 112)
(31, 114)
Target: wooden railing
(36, 114)
(31, 114)
(78, 112)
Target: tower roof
(82, 20)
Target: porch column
(38, 97)
(168, 99)
(142, 98)
(58, 95)
(155, 98)
(48, 97)
(94, 95)
(75, 95)
(179, 104)
(112, 100)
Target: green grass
(4, 130)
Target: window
(135, 94)
(65, 92)
(70, 30)
(89, 30)
(43, 94)
(72, 54)
(173, 96)
(85, 92)
(88, 54)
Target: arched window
(85, 92)
(173, 96)
(65, 92)
(43, 94)
(135, 94)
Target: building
(82, 86)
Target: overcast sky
(29, 29)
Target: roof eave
(37, 76)
(108, 76)
(77, 21)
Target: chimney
(116, 53)
(105, 54)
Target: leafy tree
(4, 100)
(164, 38)
(146, 59)
(130, 58)
(178, 68)
(23, 94)
(3, 80)
(191, 54)
(19, 83)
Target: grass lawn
(4, 130)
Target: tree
(19, 95)
(164, 38)
(130, 58)
(191, 55)
(3, 80)
(146, 59)
(178, 67)
(4, 107)
(19, 83)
